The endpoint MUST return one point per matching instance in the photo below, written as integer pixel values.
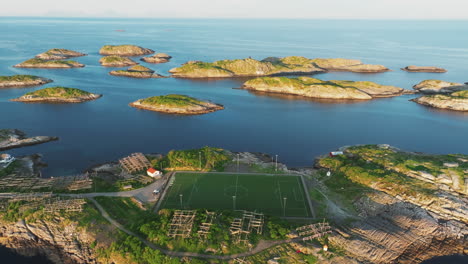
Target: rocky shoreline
(78, 99)
(315, 88)
(49, 64)
(457, 101)
(116, 61)
(433, 69)
(137, 71)
(157, 58)
(13, 138)
(17, 81)
(272, 66)
(59, 54)
(202, 107)
(124, 50)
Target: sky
(311, 9)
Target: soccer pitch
(261, 193)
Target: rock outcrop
(22, 81)
(137, 71)
(49, 64)
(61, 242)
(315, 88)
(438, 86)
(13, 138)
(124, 50)
(399, 214)
(59, 54)
(457, 101)
(116, 61)
(176, 104)
(413, 68)
(293, 65)
(57, 95)
(157, 58)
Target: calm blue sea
(296, 130)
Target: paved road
(261, 246)
(144, 194)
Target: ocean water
(296, 129)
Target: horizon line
(236, 18)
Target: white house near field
(6, 160)
(154, 173)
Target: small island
(413, 68)
(157, 58)
(315, 88)
(57, 95)
(124, 50)
(22, 81)
(293, 65)
(176, 104)
(49, 64)
(116, 61)
(137, 71)
(59, 54)
(457, 101)
(438, 86)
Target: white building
(153, 173)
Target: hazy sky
(361, 9)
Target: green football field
(261, 193)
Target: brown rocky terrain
(124, 50)
(438, 86)
(59, 54)
(413, 68)
(157, 58)
(13, 138)
(137, 71)
(22, 81)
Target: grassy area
(115, 59)
(154, 227)
(390, 170)
(58, 91)
(172, 100)
(37, 61)
(206, 159)
(10, 169)
(18, 78)
(261, 193)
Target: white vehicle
(156, 191)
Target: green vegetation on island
(293, 65)
(315, 88)
(58, 94)
(59, 54)
(137, 71)
(176, 104)
(205, 159)
(41, 63)
(22, 81)
(116, 61)
(124, 50)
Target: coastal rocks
(390, 230)
(58, 95)
(348, 65)
(61, 242)
(293, 65)
(315, 88)
(124, 50)
(457, 101)
(413, 68)
(22, 81)
(59, 54)
(157, 58)
(116, 61)
(13, 138)
(176, 104)
(49, 64)
(137, 71)
(438, 86)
